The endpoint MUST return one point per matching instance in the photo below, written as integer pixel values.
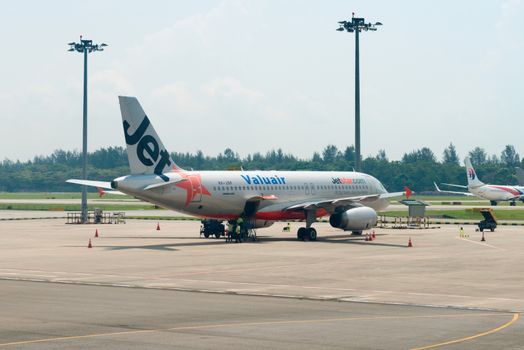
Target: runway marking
(246, 324)
(480, 243)
(491, 331)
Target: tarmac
(142, 288)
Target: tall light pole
(355, 26)
(85, 47)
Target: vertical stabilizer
(145, 151)
(473, 180)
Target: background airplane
(351, 199)
(493, 193)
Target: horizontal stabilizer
(162, 184)
(101, 184)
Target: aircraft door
(306, 189)
(313, 189)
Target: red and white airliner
(350, 199)
(493, 193)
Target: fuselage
(224, 194)
(497, 192)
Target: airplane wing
(453, 192)
(453, 185)
(355, 201)
(269, 197)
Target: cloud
(230, 87)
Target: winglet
(436, 187)
(101, 192)
(408, 191)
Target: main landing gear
(305, 233)
(308, 232)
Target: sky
(260, 75)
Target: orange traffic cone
(96, 233)
(373, 235)
(90, 245)
(410, 244)
(158, 226)
(483, 239)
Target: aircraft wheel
(356, 233)
(494, 203)
(312, 234)
(512, 204)
(206, 234)
(301, 233)
(217, 235)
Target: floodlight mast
(356, 25)
(85, 47)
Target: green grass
(448, 200)
(59, 195)
(466, 214)
(74, 207)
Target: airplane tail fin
(145, 151)
(473, 180)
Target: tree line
(417, 169)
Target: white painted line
(479, 243)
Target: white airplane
(493, 193)
(351, 199)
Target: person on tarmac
(238, 236)
(230, 230)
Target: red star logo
(192, 185)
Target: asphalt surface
(40, 315)
(139, 287)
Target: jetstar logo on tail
(471, 174)
(193, 186)
(147, 150)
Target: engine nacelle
(356, 219)
(260, 223)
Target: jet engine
(355, 219)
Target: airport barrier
(97, 217)
(405, 222)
